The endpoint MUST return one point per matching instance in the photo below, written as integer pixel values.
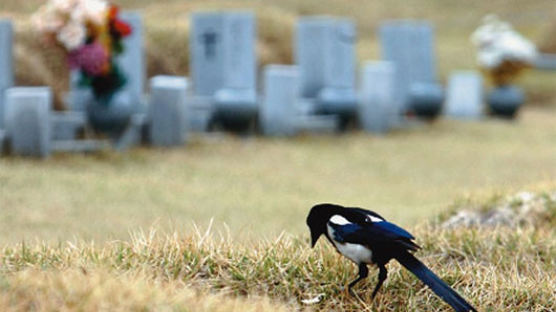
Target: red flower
(121, 27)
(113, 13)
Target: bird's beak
(314, 238)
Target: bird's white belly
(355, 252)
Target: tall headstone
(410, 45)
(464, 95)
(132, 60)
(6, 64)
(339, 55)
(281, 93)
(28, 122)
(206, 50)
(167, 110)
(224, 63)
(223, 51)
(325, 53)
(310, 40)
(377, 109)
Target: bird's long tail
(434, 282)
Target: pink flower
(92, 58)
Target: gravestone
(167, 110)
(206, 50)
(310, 39)
(281, 93)
(377, 110)
(464, 98)
(132, 60)
(325, 54)
(6, 64)
(223, 64)
(410, 45)
(28, 120)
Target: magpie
(365, 237)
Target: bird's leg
(382, 274)
(363, 273)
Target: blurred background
(258, 186)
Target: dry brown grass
(76, 289)
(496, 270)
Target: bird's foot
(347, 291)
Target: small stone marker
(167, 110)
(28, 120)
(377, 110)
(464, 95)
(6, 63)
(281, 93)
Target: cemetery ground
(145, 230)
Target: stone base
(2, 141)
(66, 125)
(425, 100)
(236, 110)
(316, 124)
(79, 146)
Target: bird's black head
(317, 218)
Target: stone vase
(425, 100)
(111, 114)
(504, 101)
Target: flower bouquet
(90, 33)
(502, 52)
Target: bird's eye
(368, 220)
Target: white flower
(72, 35)
(497, 42)
(93, 11)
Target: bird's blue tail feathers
(437, 285)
